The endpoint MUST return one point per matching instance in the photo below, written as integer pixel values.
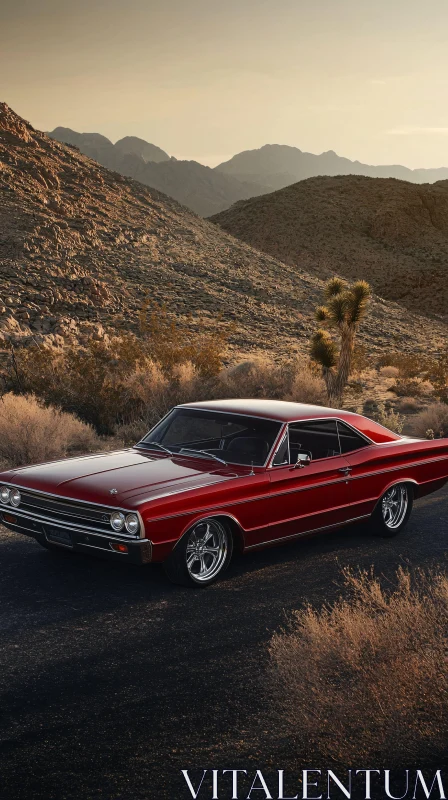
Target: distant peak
(133, 145)
(11, 123)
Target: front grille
(69, 513)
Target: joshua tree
(345, 308)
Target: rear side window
(349, 439)
(320, 438)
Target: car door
(312, 497)
(373, 467)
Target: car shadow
(41, 587)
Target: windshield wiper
(155, 444)
(204, 453)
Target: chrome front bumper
(138, 551)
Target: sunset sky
(205, 79)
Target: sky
(205, 79)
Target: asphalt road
(112, 680)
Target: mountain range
(249, 174)
(82, 247)
(278, 165)
(392, 233)
(201, 189)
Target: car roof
(284, 411)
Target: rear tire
(202, 555)
(392, 511)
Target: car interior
(239, 440)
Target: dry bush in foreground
(434, 418)
(367, 678)
(30, 432)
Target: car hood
(114, 478)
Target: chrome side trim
(305, 488)
(402, 466)
(305, 533)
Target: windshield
(232, 438)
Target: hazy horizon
(205, 80)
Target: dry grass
(389, 372)
(366, 679)
(31, 433)
(434, 418)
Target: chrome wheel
(207, 549)
(394, 506)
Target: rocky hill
(203, 190)
(82, 247)
(278, 165)
(392, 233)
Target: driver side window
(320, 438)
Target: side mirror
(303, 459)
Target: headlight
(117, 520)
(5, 494)
(132, 523)
(15, 497)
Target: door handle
(345, 470)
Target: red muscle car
(216, 476)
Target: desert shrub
(90, 381)
(107, 382)
(409, 365)
(411, 387)
(389, 372)
(30, 432)
(289, 380)
(170, 347)
(307, 387)
(408, 405)
(370, 407)
(434, 418)
(367, 678)
(437, 374)
(386, 416)
(156, 394)
(257, 377)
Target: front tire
(202, 555)
(392, 511)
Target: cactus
(345, 308)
